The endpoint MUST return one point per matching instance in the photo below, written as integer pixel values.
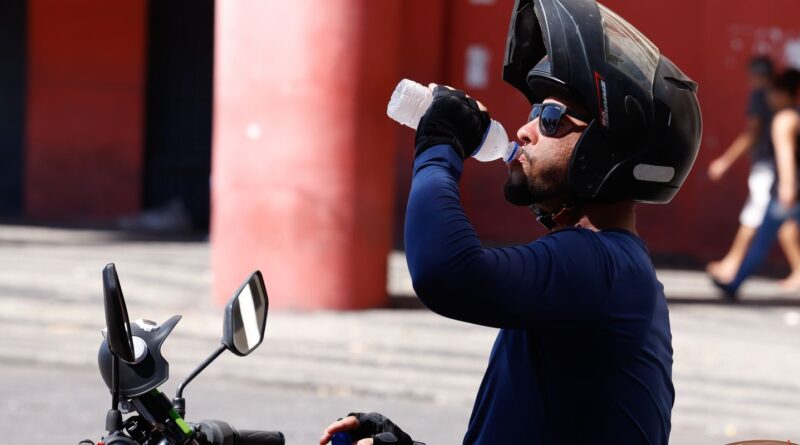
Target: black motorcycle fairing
(149, 371)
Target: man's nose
(529, 133)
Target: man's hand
(349, 423)
(453, 119)
(368, 429)
(717, 169)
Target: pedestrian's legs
(790, 243)
(725, 269)
(762, 242)
(759, 182)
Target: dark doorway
(12, 105)
(179, 101)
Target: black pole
(114, 381)
(179, 403)
(114, 417)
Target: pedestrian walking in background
(783, 206)
(756, 138)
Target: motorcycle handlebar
(218, 432)
(253, 437)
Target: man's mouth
(523, 157)
(518, 160)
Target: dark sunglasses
(550, 115)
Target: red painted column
(303, 153)
(85, 108)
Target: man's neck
(605, 216)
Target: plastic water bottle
(411, 100)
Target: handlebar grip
(217, 432)
(253, 437)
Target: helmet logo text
(602, 98)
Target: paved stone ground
(737, 367)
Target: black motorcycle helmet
(646, 127)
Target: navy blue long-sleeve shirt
(584, 351)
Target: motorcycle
(133, 368)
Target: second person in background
(783, 206)
(756, 138)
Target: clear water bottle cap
(513, 148)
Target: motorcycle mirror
(118, 327)
(246, 316)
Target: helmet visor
(629, 50)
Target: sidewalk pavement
(736, 365)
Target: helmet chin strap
(566, 214)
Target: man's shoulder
(579, 245)
(786, 118)
(583, 236)
(572, 245)
(571, 234)
(599, 262)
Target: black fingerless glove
(382, 430)
(452, 119)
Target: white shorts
(762, 176)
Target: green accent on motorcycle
(180, 422)
(184, 427)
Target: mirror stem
(178, 402)
(114, 381)
(114, 417)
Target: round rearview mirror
(118, 328)
(246, 316)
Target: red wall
(318, 83)
(710, 40)
(84, 111)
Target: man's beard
(520, 190)
(518, 193)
